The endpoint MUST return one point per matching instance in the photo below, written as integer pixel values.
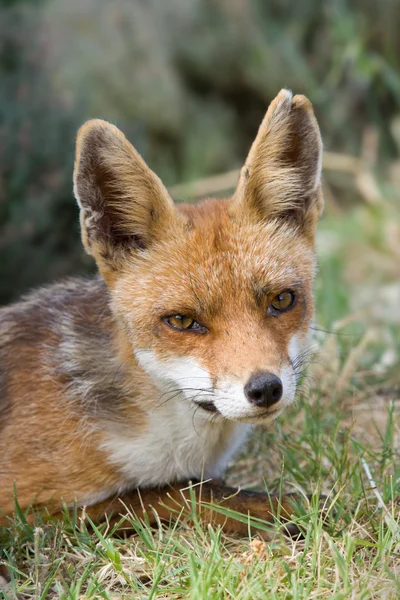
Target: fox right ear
(124, 205)
(281, 178)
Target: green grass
(346, 421)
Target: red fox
(118, 391)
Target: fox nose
(263, 389)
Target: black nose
(264, 389)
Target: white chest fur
(178, 444)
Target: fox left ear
(281, 178)
(124, 206)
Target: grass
(344, 430)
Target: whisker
(338, 333)
(173, 393)
(193, 425)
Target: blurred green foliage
(187, 80)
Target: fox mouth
(211, 408)
(208, 406)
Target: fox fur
(100, 398)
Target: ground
(341, 439)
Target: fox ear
(124, 205)
(281, 178)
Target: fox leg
(171, 500)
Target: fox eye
(184, 323)
(283, 302)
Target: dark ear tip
(98, 124)
(282, 101)
(288, 106)
(97, 132)
(300, 101)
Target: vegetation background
(188, 81)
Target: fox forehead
(215, 258)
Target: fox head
(215, 299)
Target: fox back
(195, 330)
